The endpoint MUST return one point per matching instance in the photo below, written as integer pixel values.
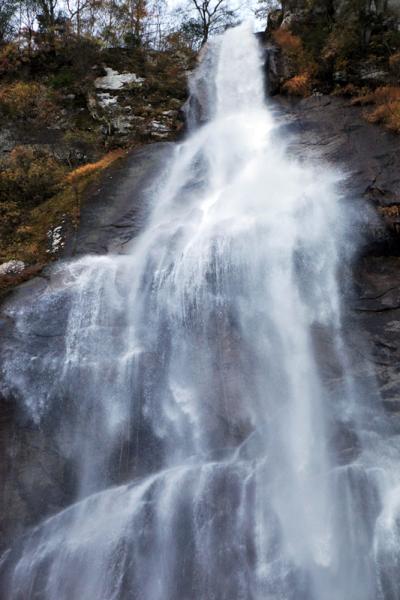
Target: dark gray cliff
(320, 128)
(328, 128)
(113, 213)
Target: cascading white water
(191, 376)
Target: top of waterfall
(238, 82)
(227, 79)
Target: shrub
(385, 102)
(10, 59)
(27, 101)
(299, 85)
(348, 91)
(63, 79)
(342, 44)
(29, 176)
(394, 63)
(10, 217)
(300, 63)
(287, 41)
(80, 137)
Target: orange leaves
(287, 41)
(299, 85)
(300, 63)
(394, 63)
(385, 103)
(90, 168)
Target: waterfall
(203, 381)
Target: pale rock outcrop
(111, 104)
(116, 81)
(12, 267)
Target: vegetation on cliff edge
(336, 47)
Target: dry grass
(29, 239)
(90, 168)
(384, 105)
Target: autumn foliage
(89, 168)
(299, 61)
(29, 175)
(288, 42)
(384, 105)
(27, 100)
(299, 85)
(394, 63)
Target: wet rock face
(30, 461)
(376, 309)
(277, 69)
(117, 204)
(325, 128)
(330, 129)
(37, 475)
